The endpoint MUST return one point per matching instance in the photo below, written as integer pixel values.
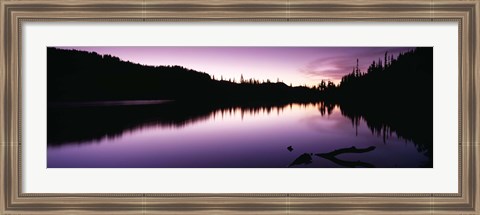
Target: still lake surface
(167, 135)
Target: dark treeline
(409, 77)
(87, 76)
(395, 95)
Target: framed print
(297, 107)
(94, 110)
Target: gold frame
(15, 12)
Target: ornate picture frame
(13, 13)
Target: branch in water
(331, 157)
(352, 149)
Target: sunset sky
(292, 65)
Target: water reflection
(69, 123)
(185, 135)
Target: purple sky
(295, 65)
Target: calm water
(167, 135)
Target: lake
(169, 134)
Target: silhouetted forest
(394, 96)
(409, 77)
(87, 76)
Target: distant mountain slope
(86, 76)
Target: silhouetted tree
(386, 59)
(322, 86)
